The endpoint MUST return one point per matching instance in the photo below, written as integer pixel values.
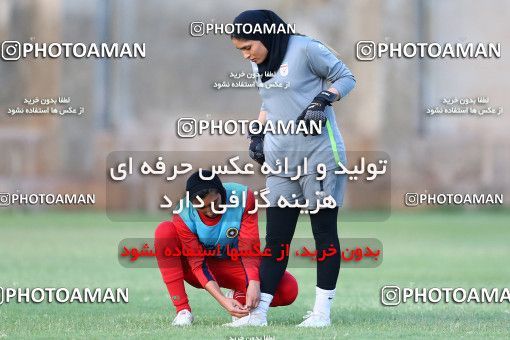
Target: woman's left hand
(253, 294)
(315, 111)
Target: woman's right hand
(234, 308)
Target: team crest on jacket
(284, 69)
(232, 232)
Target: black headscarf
(276, 44)
(195, 184)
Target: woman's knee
(287, 290)
(166, 235)
(165, 229)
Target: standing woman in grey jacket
(316, 79)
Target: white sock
(265, 301)
(323, 301)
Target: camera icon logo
(197, 29)
(390, 296)
(11, 50)
(187, 127)
(411, 199)
(365, 50)
(5, 199)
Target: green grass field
(421, 249)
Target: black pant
(281, 225)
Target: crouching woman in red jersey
(204, 229)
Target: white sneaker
(252, 319)
(183, 318)
(315, 320)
